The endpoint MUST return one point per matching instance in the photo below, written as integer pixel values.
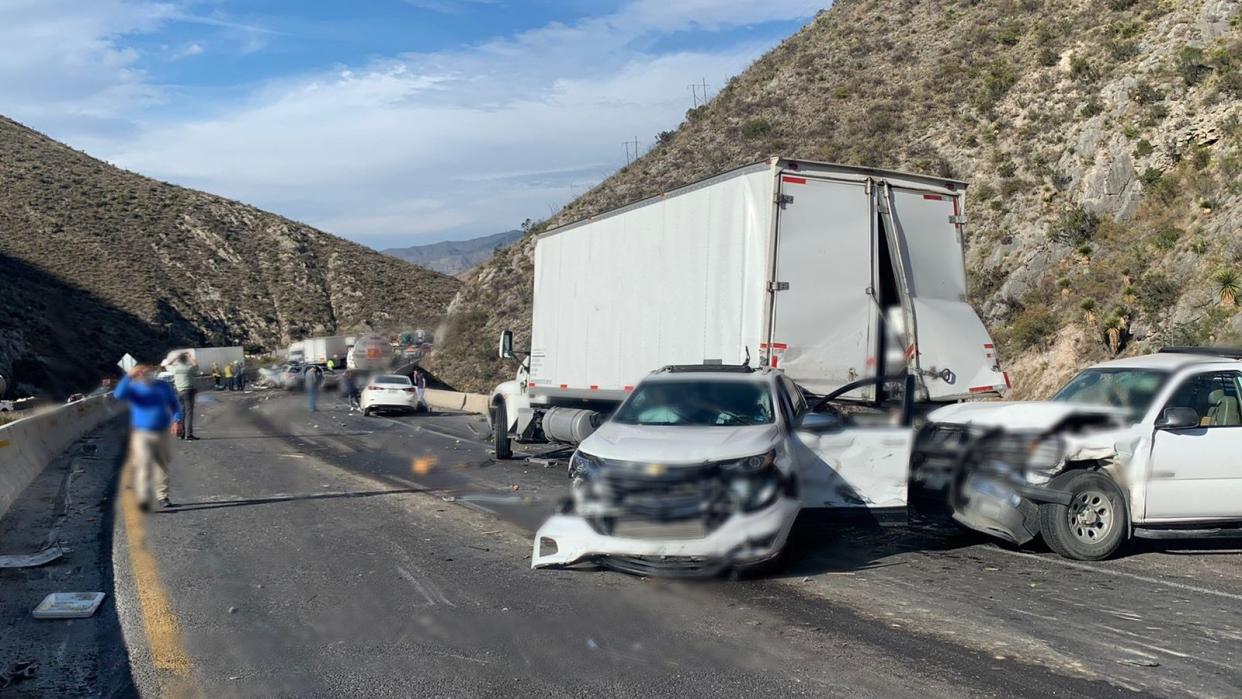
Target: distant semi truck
(371, 352)
(835, 275)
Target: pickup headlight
(755, 482)
(1044, 455)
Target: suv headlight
(582, 464)
(755, 482)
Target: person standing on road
(228, 375)
(331, 364)
(314, 379)
(154, 414)
(183, 371)
(420, 386)
(239, 375)
(215, 374)
(349, 387)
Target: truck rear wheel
(500, 431)
(1095, 523)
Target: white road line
(1122, 574)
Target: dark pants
(187, 411)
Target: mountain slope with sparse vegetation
(97, 261)
(1102, 140)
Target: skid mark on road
(164, 642)
(1121, 574)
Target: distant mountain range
(455, 257)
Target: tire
(1095, 523)
(500, 432)
(367, 412)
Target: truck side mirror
(1177, 419)
(506, 344)
(819, 422)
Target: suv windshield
(697, 403)
(1131, 389)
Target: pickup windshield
(1131, 389)
(697, 403)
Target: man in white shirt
(183, 371)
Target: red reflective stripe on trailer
(910, 351)
(628, 388)
(775, 362)
(870, 361)
(981, 389)
(937, 197)
(780, 346)
(989, 346)
(1007, 384)
(564, 385)
(793, 180)
(594, 387)
(530, 383)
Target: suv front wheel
(1095, 523)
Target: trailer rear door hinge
(783, 199)
(957, 220)
(778, 286)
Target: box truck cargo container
(318, 350)
(833, 274)
(205, 357)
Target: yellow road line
(163, 632)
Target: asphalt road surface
(329, 554)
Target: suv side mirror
(506, 344)
(1177, 419)
(818, 422)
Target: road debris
(68, 605)
(32, 560)
(17, 671)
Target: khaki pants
(150, 452)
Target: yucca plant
(1114, 326)
(1089, 307)
(1229, 285)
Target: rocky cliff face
(98, 261)
(1102, 140)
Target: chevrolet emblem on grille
(655, 469)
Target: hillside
(99, 261)
(1102, 140)
(455, 257)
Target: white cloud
(63, 67)
(191, 49)
(465, 141)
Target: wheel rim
(1091, 516)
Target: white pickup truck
(1149, 447)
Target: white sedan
(389, 392)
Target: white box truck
(833, 274)
(318, 350)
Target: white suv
(1149, 447)
(705, 467)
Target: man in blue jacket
(154, 415)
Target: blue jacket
(152, 406)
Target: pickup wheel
(1095, 523)
(500, 431)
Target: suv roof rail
(704, 368)
(1227, 352)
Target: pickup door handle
(1163, 474)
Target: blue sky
(389, 122)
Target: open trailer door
(823, 319)
(951, 351)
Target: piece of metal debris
(68, 605)
(17, 671)
(32, 560)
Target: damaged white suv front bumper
(742, 540)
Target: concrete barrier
(28, 445)
(451, 400)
